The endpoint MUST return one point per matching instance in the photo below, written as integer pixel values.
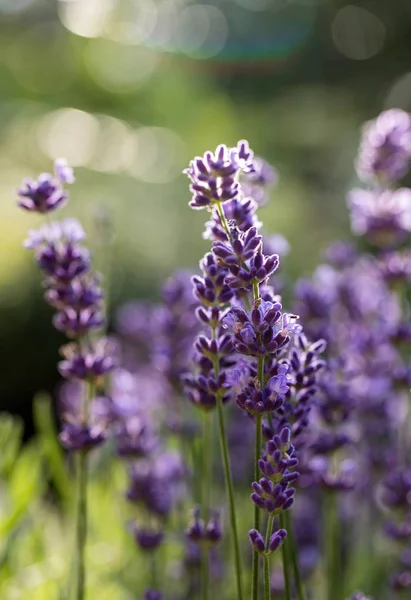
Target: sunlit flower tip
(213, 176)
(256, 540)
(69, 230)
(63, 171)
(277, 540)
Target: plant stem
(81, 526)
(205, 501)
(294, 555)
(255, 576)
(267, 583)
(81, 509)
(223, 219)
(331, 546)
(286, 562)
(230, 493)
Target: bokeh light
(159, 155)
(118, 67)
(358, 33)
(399, 96)
(70, 133)
(87, 18)
(201, 31)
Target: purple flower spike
(359, 596)
(272, 493)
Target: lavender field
(205, 300)
(218, 442)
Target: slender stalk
(230, 493)
(332, 549)
(286, 562)
(81, 526)
(267, 583)
(294, 555)
(153, 569)
(205, 501)
(81, 510)
(255, 575)
(223, 219)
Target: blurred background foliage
(129, 90)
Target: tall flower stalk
(259, 330)
(74, 291)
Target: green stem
(81, 509)
(223, 219)
(286, 562)
(294, 555)
(255, 576)
(230, 493)
(81, 526)
(205, 500)
(256, 291)
(334, 591)
(267, 583)
(153, 569)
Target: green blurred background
(129, 90)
